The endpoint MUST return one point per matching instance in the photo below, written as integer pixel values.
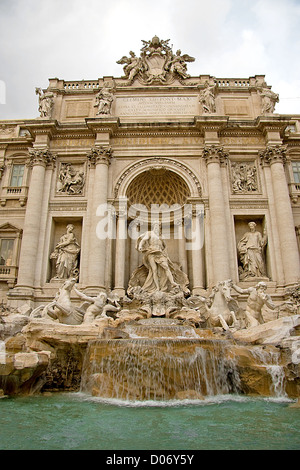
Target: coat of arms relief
(157, 63)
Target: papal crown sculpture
(156, 63)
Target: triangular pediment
(7, 227)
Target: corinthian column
(38, 160)
(276, 158)
(99, 158)
(120, 251)
(214, 156)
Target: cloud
(72, 40)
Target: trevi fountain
(117, 330)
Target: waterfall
(158, 369)
(269, 358)
(2, 352)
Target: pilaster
(99, 159)
(275, 157)
(214, 157)
(39, 159)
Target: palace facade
(204, 156)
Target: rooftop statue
(156, 64)
(45, 102)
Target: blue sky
(75, 40)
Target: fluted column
(38, 160)
(197, 253)
(134, 254)
(120, 252)
(99, 158)
(182, 255)
(275, 157)
(214, 156)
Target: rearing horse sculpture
(61, 308)
(219, 306)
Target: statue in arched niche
(158, 272)
(250, 250)
(66, 255)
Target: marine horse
(61, 307)
(220, 306)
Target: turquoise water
(75, 421)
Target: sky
(76, 40)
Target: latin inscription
(157, 105)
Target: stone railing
(14, 192)
(8, 273)
(294, 189)
(233, 82)
(81, 85)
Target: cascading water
(173, 363)
(162, 359)
(270, 360)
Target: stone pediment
(9, 228)
(157, 64)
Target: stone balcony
(294, 189)
(11, 192)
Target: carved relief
(71, 179)
(243, 177)
(156, 64)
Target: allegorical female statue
(66, 254)
(250, 249)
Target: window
(17, 176)
(6, 251)
(296, 171)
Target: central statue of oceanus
(158, 272)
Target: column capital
(42, 157)
(274, 154)
(214, 154)
(99, 154)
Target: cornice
(41, 126)
(98, 125)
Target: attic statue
(45, 103)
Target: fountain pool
(76, 421)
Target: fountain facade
(147, 236)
